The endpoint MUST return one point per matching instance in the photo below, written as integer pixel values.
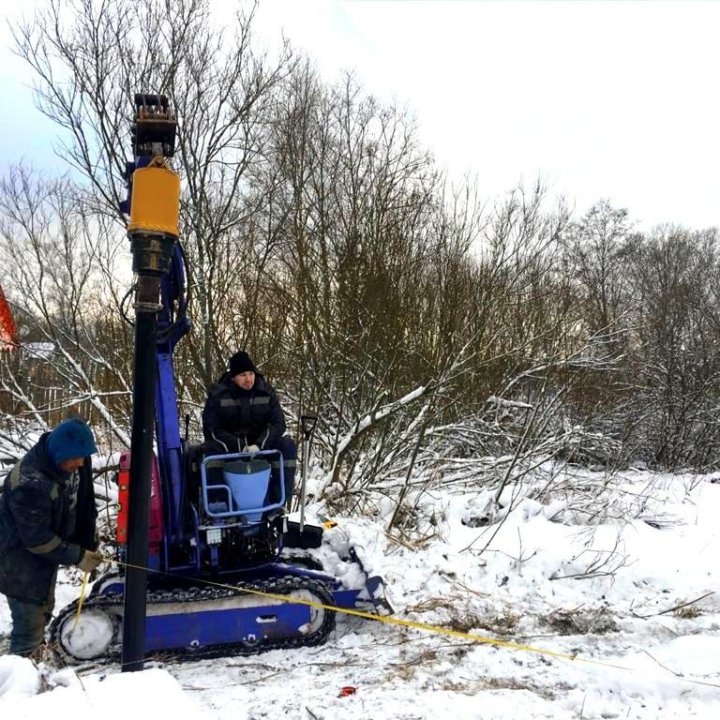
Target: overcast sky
(601, 99)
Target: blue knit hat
(70, 439)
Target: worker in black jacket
(47, 519)
(242, 414)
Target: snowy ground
(609, 594)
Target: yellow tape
(425, 627)
(83, 588)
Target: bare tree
(675, 355)
(59, 269)
(596, 249)
(91, 56)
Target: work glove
(89, 560)
(252, 449)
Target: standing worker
(47, 519)
(242, 414)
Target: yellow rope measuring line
(438, 630)
(83, 588)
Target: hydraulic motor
(154, 205)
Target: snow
(151, 693)
(605, 604)
(18, 677)
(40, 350)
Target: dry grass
(581, 622)
(689, 612)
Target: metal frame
(248, 511)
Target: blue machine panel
(218, 627)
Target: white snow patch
(147, 694)
(621, 572)
(18, 677)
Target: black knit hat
(240, 362)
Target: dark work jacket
(47, 518)
(233, 417)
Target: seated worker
(242, 414)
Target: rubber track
(282, 586)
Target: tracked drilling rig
(202, 539)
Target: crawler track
(105, 611)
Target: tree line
(423, 323)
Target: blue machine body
(220, 577)
(211, 534)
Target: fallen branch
(675, 607)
